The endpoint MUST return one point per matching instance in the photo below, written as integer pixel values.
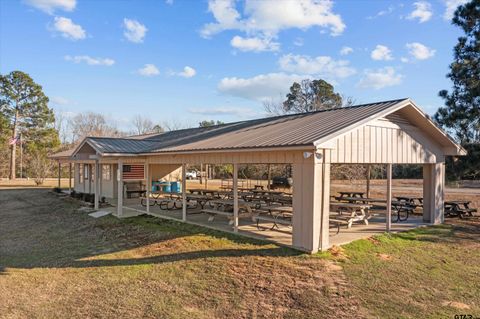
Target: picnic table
(200, 199)
(266, 191)
(277, 214)
(401, 209)
(363, 200)
(354, 212)
(166, 200)
(223, 207)
(351, 194)
(460, 208)
(414, 200)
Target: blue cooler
(166, 187)
(176, 187)
(155, 186)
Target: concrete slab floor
(283, 235)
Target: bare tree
(40, 166)
(92, 124)
(273, 107)
(175, 124)
(142, 125)
(62, 126)
(348, 101)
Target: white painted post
(368, 180)
(311, 202)
(97, 184)
(389, 197)
(59, 172)
(207, 168)
(269, 176)
(184, 192)
(235, 197)
(149, 185)
(70, 177)
(120, 189)
(433, 193)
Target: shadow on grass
(51, 234)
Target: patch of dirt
(373, 240)
(456, 305)
(338, 253)
(384, 256)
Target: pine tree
(25, 106)
(461, 113)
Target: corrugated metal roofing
(281, 131)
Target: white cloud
(148, 70)
(381, 52)
(450, 7)
(323, 66)
(404, 60)
(420, 51)
(382, 13)
(134, 31)
(68, 29)
(89, 60)
(423, 11)
(187, 72)
(49, 6)
(261, 87)
(267, 17)
(254, 44)
(378, 79)
(346, 50)
(58, 100)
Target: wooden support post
(235, 197)
(70, 177)
(389, 197)
(148, 187)
(97, 184)
(59, 173)
(120, 189)
(368, 180)
(184, 192)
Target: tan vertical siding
(384, 141)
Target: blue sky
(187, 61)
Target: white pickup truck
(191, 175)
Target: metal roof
(280, 131)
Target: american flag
(135, 171)
(13, 140)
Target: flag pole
(21, 156)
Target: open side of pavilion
(391, 132)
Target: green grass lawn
(56, 263)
